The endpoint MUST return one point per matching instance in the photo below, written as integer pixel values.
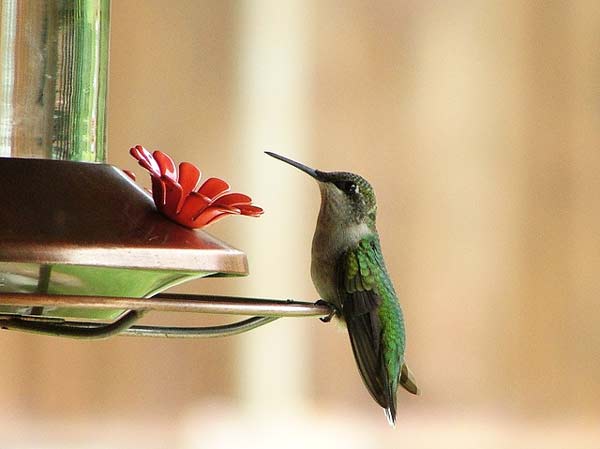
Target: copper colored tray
(75, 228)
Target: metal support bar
(171, 302)
(39, 325)
(123, 327)
(224, 330)
(268, 311)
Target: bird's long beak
(311, 171)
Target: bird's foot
(333, 310)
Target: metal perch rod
(172, 302)
(265, 311)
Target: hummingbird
(349, 273)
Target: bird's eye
(349, 187)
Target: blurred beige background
(478, 124)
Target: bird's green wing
(374, 320)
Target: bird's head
(346, 198)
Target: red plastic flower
(176, 196)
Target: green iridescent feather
(375, 323)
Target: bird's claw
(333, 310)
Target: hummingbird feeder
(84, 251)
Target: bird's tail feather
(390, 405)
(407, 380)
(390, 414)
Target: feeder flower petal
(189, 175)
(145, 159)
(213, 188)
(233, 199)
(177, 196)
(166, 164)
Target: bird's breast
(327, 247)
(322, 271)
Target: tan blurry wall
(478, 123)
